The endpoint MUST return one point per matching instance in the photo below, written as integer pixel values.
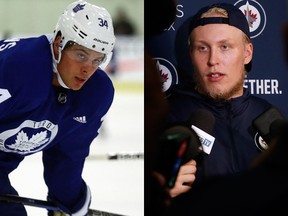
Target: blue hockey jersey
(35, 116)
(237, 142)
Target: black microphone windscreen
(182, 143)
(177, 134)
(268, 123)
(202, 119)
(177, 145)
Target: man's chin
(75, 87)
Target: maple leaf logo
(251, 18)
(23, 143)
(163, 76)
(78, 7)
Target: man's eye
(98, 61)
(81, 55)
(202, 48)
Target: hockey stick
(48, 205)
(117, 156)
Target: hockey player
(54, 95)
(221, 52)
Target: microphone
(177, 145)
(272, 127)
(181, 143)
(202, 122)
(268, 124)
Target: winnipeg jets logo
(260, 143)
(168, 73)
(255, 15)
(29, 137)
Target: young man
(53, 98)
(221, 54)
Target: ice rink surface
(117, 185)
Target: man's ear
(249, 53)
(56, 44)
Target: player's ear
(56, 44)
(248, 53)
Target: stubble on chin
(218, 93)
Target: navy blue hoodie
(236, 143)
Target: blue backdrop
(269, 75)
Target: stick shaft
(117, 156)
(48, 205)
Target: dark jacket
(236, 143)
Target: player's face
(218, 53)
(78, 64)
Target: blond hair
(215, 11)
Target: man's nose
(213, 57)
(88, 67)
